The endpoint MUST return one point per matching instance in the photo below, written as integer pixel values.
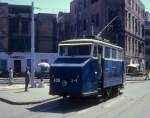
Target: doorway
(17, 66)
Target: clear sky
(53, 6)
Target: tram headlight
(56, 80)
(64, 83)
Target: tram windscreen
(75, 50)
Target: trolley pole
(32, 48)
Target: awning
(133, 65)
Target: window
(136, 26)
(107, 52)
(120, 55)
(133, 25)
(143, 30)
(29, 63)
(25, 26)
(97, 20)
(84, 24)
(147, 51)
(114, 53)
(92, 20)
(126, 13)
(95, 51)
(85, 5)
(129, 2)
(13, 25)
(147, 41)
(147, 32)
(93, 1)
(3, 65)
(129, 19)
(139, 28)
(100, 49)
(133, 45)
(78, 50)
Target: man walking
(147, 75)
(27, 78)
(11, 76)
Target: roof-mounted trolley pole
(98, 36)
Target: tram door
(100, 55)
(17, 66)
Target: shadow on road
(64, 106)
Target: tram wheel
(107, 92)
(115, 91)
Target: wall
(24, 56)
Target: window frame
(109, 52)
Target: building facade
(15, 37)
(147, 39)
(90, 16)
(64, 26)
(46, 32)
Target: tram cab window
(62, 51)
(107, 52)
(114, 53)
(77, 50)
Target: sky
(53, 6)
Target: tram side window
(114, 53)
(107, 52)
(100, 50)
(120, 55)
(95, 51)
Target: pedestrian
(41, 83)
(27, 78)
(11, 76)
(147, 75)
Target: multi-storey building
(90, 16)
(46, 32)
(15, 37)
(64, 26)
(147, 39)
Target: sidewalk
(16, 95)
(18, 80)
(136, 78)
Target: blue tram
(87, 67)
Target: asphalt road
(133, 103)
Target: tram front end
(73, 79)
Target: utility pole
(32, 48)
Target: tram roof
(87, 41)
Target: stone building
(147, 39)
(15, 37)
(90, 16)
(46, 32)
(64, 26)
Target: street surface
(133, 103)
